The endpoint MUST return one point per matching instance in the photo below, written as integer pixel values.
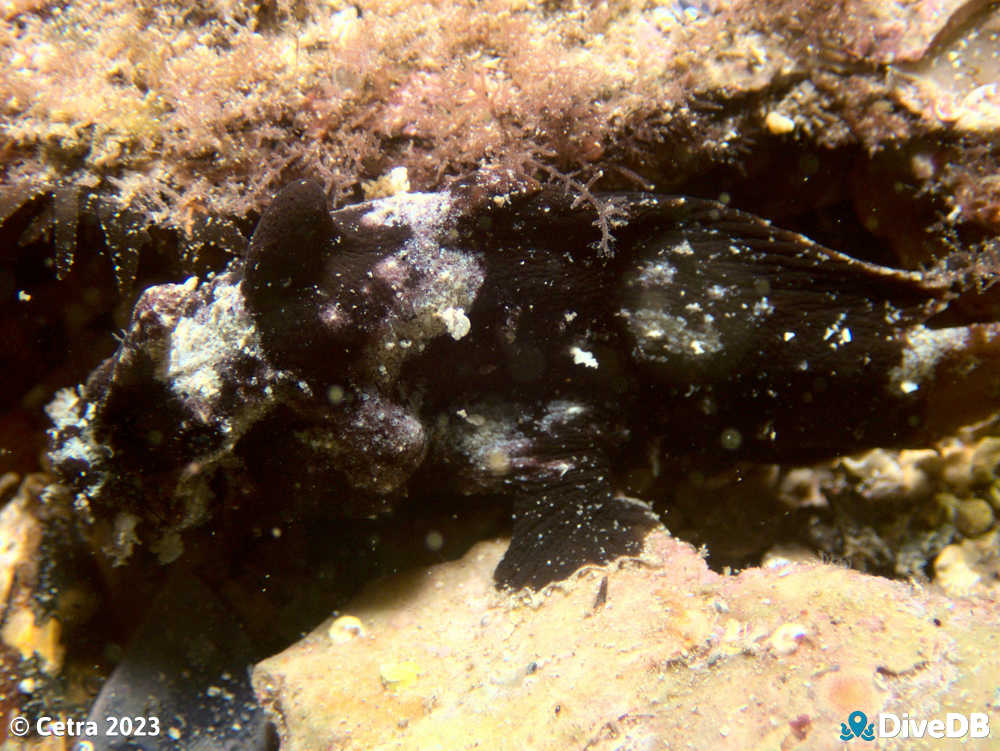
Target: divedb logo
(889, 725)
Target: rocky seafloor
(660, 652)
(191, 491)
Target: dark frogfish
(481, 342)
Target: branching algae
(480, 341)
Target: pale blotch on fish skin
(73, 416)
(923, 350)
(432, 286)
(837, 334)
(660, 336)
(583, 357)
(455, 321)
(763, 307)
(202, 346)
(656, 273)
(683, 248)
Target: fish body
(492, 344)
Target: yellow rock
(21, 632)
(771, 658)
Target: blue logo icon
(859, 727)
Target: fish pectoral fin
(571, 524)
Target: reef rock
(643, 654)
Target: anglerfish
(488, 342)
